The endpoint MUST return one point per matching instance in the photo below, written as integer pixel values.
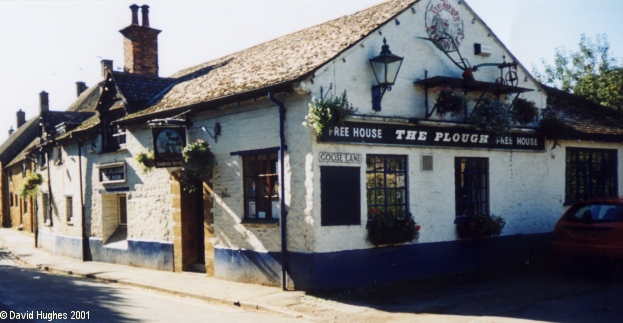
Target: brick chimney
(21, 118)
(140, 44)
(80, 87)
(44, 102)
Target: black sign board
(168, 145)
(429, 136)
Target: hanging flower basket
(146, 159)
(492, 115)
(524, 111)
(479, 226)
(553, 126)
(450, 101)
(325, 113)
(198, 162)
(30, 185)
(385, 230)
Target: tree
(589, 72)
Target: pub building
(444, 126)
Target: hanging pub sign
(168, 145)
(428, 136)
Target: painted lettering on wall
(414, 135)
(112, 174)
(339, 158)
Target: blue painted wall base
(145, 254)
(62, 245)
(379, 266)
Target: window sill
(70, 223)
(260, 223)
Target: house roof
(585, 118)
(87, 100)
(18, 140)
(285, 60)
(24, 153)
(137, 89)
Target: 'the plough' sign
(392, 134)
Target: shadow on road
(36, 294)
(550, 289)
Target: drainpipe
(50, 200)
(284, 213)
(85, 244)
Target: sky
(51, 45)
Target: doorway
(192, 216)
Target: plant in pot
(479, 226)
(197, 163)
(524, 111)
(450, 101)
(388, 229)
(30, 185)
(492, 115)
(325, 113)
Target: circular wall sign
(444, 25)
(169, 145)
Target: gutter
(284, 213)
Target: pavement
(331, 307)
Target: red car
(591, 228)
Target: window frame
(251, 186)
(122, 212)
(372, 210)
(573, 190)
(463, 183)
(69, 208)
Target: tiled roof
(285, 59)
(138, 89)
(87, 100)
(583, 116)
(22, 155)
(18, 140)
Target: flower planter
(383, 230)
(478, 226)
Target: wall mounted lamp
(216, 129)
(385, 67)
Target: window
(11, 199)
(340, 195)
(590, 173)
(45, 207)
(261, 186)
(386, 186)
(69, 208)
(471, 177)
(120, 136)
(122, 205)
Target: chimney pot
(106, 64)
(80, 87)
(21, 118)
(134, 9)
(44, 102)
(11, 130)
(145, 12)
